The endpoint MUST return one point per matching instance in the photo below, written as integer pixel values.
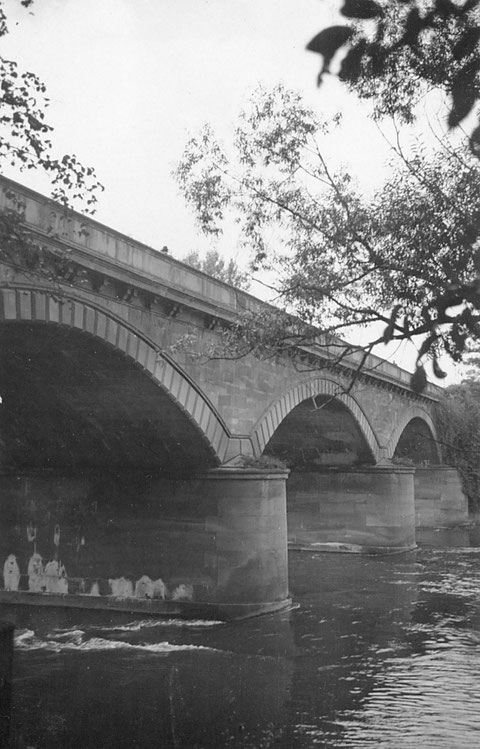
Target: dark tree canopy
(396, 50)
(458, 425)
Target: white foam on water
(73, 633)
(73, 640)
(136, 626)
(100, 643)
(149, 623)
(27, 640)
(23, 634)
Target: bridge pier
(439, 498)
(208, 545)
(363, 509)
(250, 528)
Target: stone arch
(27, 305)
(414, 412)
(271, 419)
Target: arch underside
(59, 311)
(317, 424)
(70, 402)
(180, 401)
(319, 432)
(415, 437)
(417, 443)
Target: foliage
(25, 143)
(25, 134)
(396, 50)
(264, 462)
(403, 258)
(269, 333)
(458, 426)
(23, 249)
(214, 265)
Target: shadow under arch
(319, 386)
(423, 432)
(20, 305)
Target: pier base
(212, 545)
(367, 509)
(439, 498)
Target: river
(381, 652)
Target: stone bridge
(131, 465)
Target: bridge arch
(313, 388)
(415, 415)
(20, 305)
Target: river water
(381, 652)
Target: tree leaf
(328, 41)
(378, 56)
(463, 93)
(446, 8)
(361, 9)
(426, 345)
(351, 66)
(468, 6)
(389, 330)
(458, 338)
(418, 380)
(437, 371)
(467, 43)
(474, 142)
(413, 26)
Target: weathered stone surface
(223, 534)
(370, 507)
(439, 499)
(250, 534)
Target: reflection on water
(383, 652)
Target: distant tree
(458, 427)
(394, 51)
(216, 266)
(403, 258)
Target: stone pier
(214, 544)
(250, 527)
(369, 509)
(439, 498)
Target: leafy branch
(406, 258)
